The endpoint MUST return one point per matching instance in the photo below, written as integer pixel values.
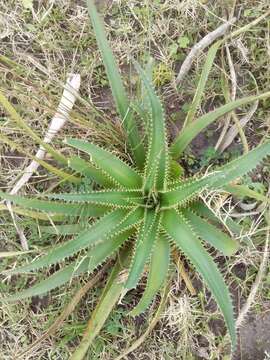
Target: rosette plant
(140, 211)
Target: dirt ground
(254, 341)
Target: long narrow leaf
(89, 237)
(116, 198)
(119, 94)
(157, 155)
(202, 82)
(51, 207)
(143, 247)
(57, 279)
(240, 166)
(217, 179)
(202, 210)
(85, 168)
(94, 258)
(178, 230)
(107, 227)
(107, 301)
(158, 272)
(192, 130)
(118, 171)
(211, 234)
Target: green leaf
(242, 191)
(179, 231)
(27, 4)
(115, 198)
(192, 130)
(51, 208)
(159, 265)
(157, 156)
(89, 237)
(203, 211)
(88, 170)
(57, 279)
(132, 218)
(107, 301)
(202, 82)
(119, 94)
(33, 214)
(181, 192)
(211, 234)
(94, 258)
(102, 251)
(63, 229)
(144, 243)
(121, 173)
(183, 42)
(176, 170)
(187, 190)
(240, 166)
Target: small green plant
(162, 74)
(142, 210)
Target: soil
(254, 339)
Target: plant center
(152, 200)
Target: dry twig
(200, 46)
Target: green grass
(44, 50)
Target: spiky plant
(142, 212)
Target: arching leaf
(144, 243)
(117, 170)
(156, 166)
(119, 94)
(192, 130)
(217, 179)
(159, 265)
(106, 303)
(52, 207)
(94, 258)
(87, 169)
(110, 198)
(211, 54)
(211, 234)
(180, 232)
(89, 237)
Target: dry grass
(53, 39)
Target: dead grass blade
(65, 106)
(230, 96)
(259, 277)
(233, 131)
